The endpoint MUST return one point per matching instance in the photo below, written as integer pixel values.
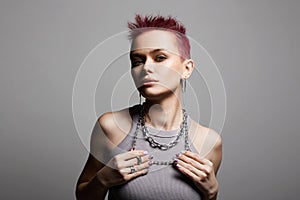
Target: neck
(164, 114)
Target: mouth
(148, 81)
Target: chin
(153, 94)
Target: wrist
(211, 194)
(214, 193)
(101, 179)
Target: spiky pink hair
(143, 23)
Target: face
(156, 65)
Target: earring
(140, 98)
(183, 91)
(184, 85)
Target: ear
(188, 65)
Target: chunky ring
(132, 169)
(139, 160)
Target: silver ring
(139, 160)
(132, 169)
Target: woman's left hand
(200, 170)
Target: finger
(120, 160)
(135, 160)
(131, 154)
(205, 164)
(193, 155)
(206, 168)
(189, 160)
(135, 168)
(136, 174)
(192, 171)
(143, 166)
(197, 178)
(197, 157)
(209, 166)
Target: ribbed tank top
(162, 181)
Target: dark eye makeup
(138, 60)
(160, 58)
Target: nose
(148, 66)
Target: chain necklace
(155, 144)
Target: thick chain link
(155, 144)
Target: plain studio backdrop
(255, 45)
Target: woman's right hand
(124, 167)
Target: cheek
(169, 75)
(170, 67)
(135, 73)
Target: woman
(153, 150)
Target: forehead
(155, 39)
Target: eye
(136, 63)
(160, 58)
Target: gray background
(254, 43)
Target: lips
(146, 80)
(149, 81)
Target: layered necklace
(154, 143)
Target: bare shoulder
(208, 142)
(116, 125)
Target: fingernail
(178, 154)
(179, 166)
(145, 152)
(150, 162)
(151, 156)
(175, 160)
(182, 152)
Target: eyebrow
(133, 53)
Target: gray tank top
(162, 181)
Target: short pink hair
(164, 23)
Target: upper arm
(106, 135)
(99, 146)
(215, 155)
